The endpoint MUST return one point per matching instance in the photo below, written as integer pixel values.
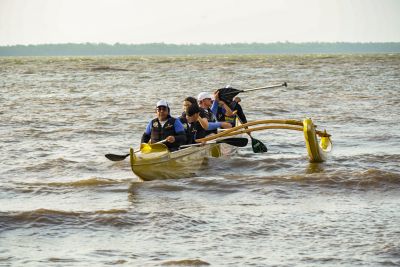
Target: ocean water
(62, 203)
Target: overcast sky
(201, 21)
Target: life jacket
(193, 130)
(207, 113)
(232, 119)
(222, 117)
(159, 132)
(186, 126)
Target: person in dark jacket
(195, 129)
(237, 113)
(165, 127)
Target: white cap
(162, 103)
(204, 95)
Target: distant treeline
(87, 49)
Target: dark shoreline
(162, 49)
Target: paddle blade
(114, 157)
(227, 94)
(152, 148)
(258, 146)
(238, 141)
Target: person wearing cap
(205, 101)
(209, 110)
(165, 127)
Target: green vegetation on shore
(88, 49)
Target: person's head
(205, 100)
(162, 110)
(188, 101)
(192, 113)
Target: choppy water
(62, 203)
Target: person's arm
(226, 108)
(214, 107)
(240, 113)
(213, 125)
(203, 122)
(147, 133)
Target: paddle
(234, 141)
(257, 145)
(114, 157)
(228, 93)
(235, 130)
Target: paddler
(165, 127)
(209, 109)
(237, 111)
(195, 129)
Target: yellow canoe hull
(163, 164)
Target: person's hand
(170, 139)
(195, 117)
(226, 125)
(237, 99)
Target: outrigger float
(155, 161)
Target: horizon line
(197, 44)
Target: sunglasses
(161, 108)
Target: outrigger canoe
(155, 161)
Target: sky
(200, 21)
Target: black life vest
(186, 126)
(193, 130)
(207, 113)
(159, 132)
(222, 117)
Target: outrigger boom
(316, 151)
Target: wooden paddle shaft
(215, 136)
(265, 87)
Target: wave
(107, 68)
(38, 218)
(50, 164)
(62, 187)
(45, 217)
(373, 179)
(91, 182)
(187, 262)
(370, 179)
